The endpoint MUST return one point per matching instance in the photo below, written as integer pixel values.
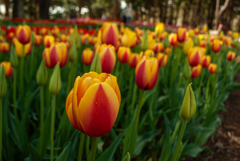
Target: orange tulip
(216, 46)
(7, 68)
(168, 51)
(206, 60)
(110, 33)
(196, 71)
(134, 59)
(19, 48)
(44, 31)
(92, 105)
(63, 38)
(146, 73)
(212, 68)
(4, 47)
(23, 34)
(124, 54)
(172, 39)
(181, 34)
(38, 40)
(162, 59)
(231, 55)
(158, 47)
(87, 56)
(107, 57)
(194, 57)
(48, 41)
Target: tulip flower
(206, 60)
(124, 54)
(4, 47)
(158, 47)
(23, 34)
(216, 46)
(205, 29)
(63, 38)
(107, 58)
(187, 46)
(134, 58)
(191, 33)
(231, 55)
(138, 31)
(163, 35)
(85, 107)
(146, 73)
(7, 68)
(48, 41)
(168, 51)
(235, 35)
(159, 28)
(196, 31)
(194, 57)
(162, 59)
(110, 33)
(147, 53)
(181, 34)
(43, 31)
(87, 56)
(19, 48)
(212, 68)
(202, 43)
(144, 41)
(85, 39)
(129, 38)
(172, 39)
(38, 40)
(196, 71)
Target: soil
(225, 142)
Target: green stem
(70, 78)
(225, 74)
(42, 109)
(22, 76)
(179, 141)
(175, 130)
(80, 152)
(52, 125)
(32, 63)
(201, 80)
(134, 96)
(129, 89)
(94, 148)
(87, 146)
(117, 67)
(1, 130)
(120, 77)
(208, 85)
(14, 96)
(135, 123)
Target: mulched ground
(225, 142)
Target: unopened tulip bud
(13, 58)
(23, 34)
(231, 55)
(206, 60)
(212, 68)
(3, 82)
(144, 42)
(87, 56)
(55, 81)
(181, 34)
(172, 38)
(187, 71)
(124, 54)
(196, 71)
(96, 64)
(188, 108)
(73, 52)
(187, 46)
(216, 46)
(194, 56)
(42, 73)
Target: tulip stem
(176, 153)
(70, 78)
(14, 96)
(87, 146)
(120, 77)
(129, 89)
(175, 130)
(52, 125)
(201, 80)
(1, 129)
(31, 64)
(22, 76)
(94, 148)
(80, 152)
(225, 74)
(42, 109)
(134, 97)
(116, 72)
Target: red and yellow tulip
(38, 40)
(19, 48)
(196, 71)
(173, 39)
(124, 54)
(110, 33)
(162, 59)
(206, 60)
(48, 41)
(212, 68)
(187, 46)
(4, 47)
(87, 56)
(194, 56)
(134, 58)
(107, 57)
(23, 34)
(216, 46)
(181, 34)
(158, 47)
(231, 55)
(7, 68)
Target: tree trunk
(171, 14)
(7, 8)
(21, 8)
(211, 8)
(196, 14)
(177, 11)
(160, 11)
(15, 8)
(44, 9)
(219, 12)
(155, 10)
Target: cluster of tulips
(131, 93)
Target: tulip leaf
(74, 139)
(191, 150)
(34, 153)
(127, 157)
(143, 139)
(64, 155)
(107, 155)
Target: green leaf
(127, 157)
(191, 150)
(64, 155)
(34, 153)
(166, 151)
(143, 139)
(107, 155)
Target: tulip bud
(212, 68)
(96, 64)
(32, 39)
(110, 33)
(42, 73)
(124, 54)
(162, 59)
(216, 46)
(8, 68)
(168, 51)
(187, 71)
(23, 34)
(159, 28)
(87, 56)
(55, 81)
(187, 46)
(196, 71)
(48, 41)
(73, 52)
(158, 47)
(133, 60)
(3, 82)
(194, 57)
(107, 57)
(13, 58)
(144, 42)
(188, 108)
(206, 60)
(4, 47)
(231, 55)
(172, 39)
(181, 34)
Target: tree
(44, 9)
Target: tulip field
(111, 92)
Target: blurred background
(193, 13)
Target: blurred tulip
(134, 58)
(221, 35)
(187, 46)
(55, 81)
(151, 42)
(158, 47)
(163, 35)
(48, 41)
(138, 31)
(146, 73)
(205, 29)
(206, 60)
(159, 28)
(63, 38)
(168, 51)
(23, 34)
(194, 56)
(38, 40)
(231, 55)
(196, 31)
(196, 71)
(147, 53)
(144, 41)
(92, 105)
(43, 31)
(7, 68)
(235, 35)
(124, 54)
(87, 56)
(172, 39)
(110, 33)
(4, 47)
(216, 46)
(85, 39)
(212, 68)
(107, 57)
(191, 33)
(181, 34)
(129, 38)
(162, 59)
(202, 43)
